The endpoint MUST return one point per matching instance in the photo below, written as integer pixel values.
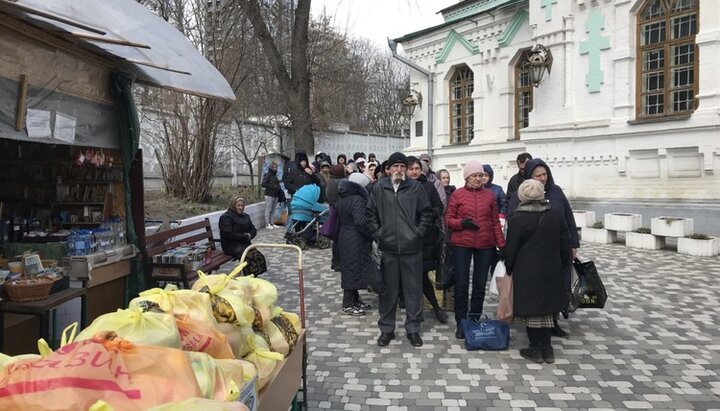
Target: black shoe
(565, 313)
(533, 354)
(441, 315)
(559, 332)
(363, 306)
(548, 354)
(385, 339)
(401, 303)
(415, 339)
(459, 333)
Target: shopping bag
(107, 368)
(499, 272)
(446, 280)
(490, 335)
(202, 337)
(374, 275)
(280, 215)
(256, 263)
(589, 289)
(331, 227)
(505, 303)
(151, 327)
(573, 302)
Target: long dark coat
(538, 244)
(236, 232)
(355, 238)
(432, 238)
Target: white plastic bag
(499, 272)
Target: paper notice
(38, 123)
(64, 127)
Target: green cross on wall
(547, 5)
(595, 43)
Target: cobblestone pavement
(655, 345)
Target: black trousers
(407, 267)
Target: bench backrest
(191, 233)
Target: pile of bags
(170, 349)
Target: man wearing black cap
(399, 215)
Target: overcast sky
(379, 19)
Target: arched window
(667, 77)
(523, 94)
(462, 118)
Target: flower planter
(623, 221)
(644, 241)
(700, 248)
(584, 218)
(598, 235)
(671, 226)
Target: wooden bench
(161, 242)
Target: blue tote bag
(491, 335)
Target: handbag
(331, 227)
(374, 274)
(588, 290)
(573, 302)
(256, 263)
(491, 335)
(505, 305)
(499, 272)
(447, 271)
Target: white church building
(627, 118)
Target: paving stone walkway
(656, 345)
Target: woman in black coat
(432, 238)
(236, 229)
(537, 246)
(354, 242)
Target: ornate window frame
(461, 105)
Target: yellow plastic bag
(107, 368)
(149, 328)
(237, 338)
(288, 325)
(265, 360)
(201, 404)
(220, 379)
(278, 343)
(171, 300)
(200, 337)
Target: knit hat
(360, 179)
(338, 170)
(324, 164)
(397, 157)
(472, 167)
(531, 190)
(425, 157)
(360, 160)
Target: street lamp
(413, 99)
(539, 59)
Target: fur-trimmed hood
(535, 206)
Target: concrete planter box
(700, 248)
(644, 241)
(671, 226)
(598, 235)
(623, 221)
(584, 218)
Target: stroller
(307, 218)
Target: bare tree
(294, 83)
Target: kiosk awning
(141, 42)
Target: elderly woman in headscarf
(236, 228)
(370, 168)
(538, 244)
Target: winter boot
(548, 354)
(534, 352)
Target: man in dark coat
(538, 170)
(354, 242)
(518, 178)
(537, 247)
(399, 215)
(271, 184)
(236, 229)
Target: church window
(523, 94)
(462, 115)
(667, 77)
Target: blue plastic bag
(491, 335)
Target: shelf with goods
(61, 187)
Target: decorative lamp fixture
(539, 59)
(412, 100)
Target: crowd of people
(399, 220)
